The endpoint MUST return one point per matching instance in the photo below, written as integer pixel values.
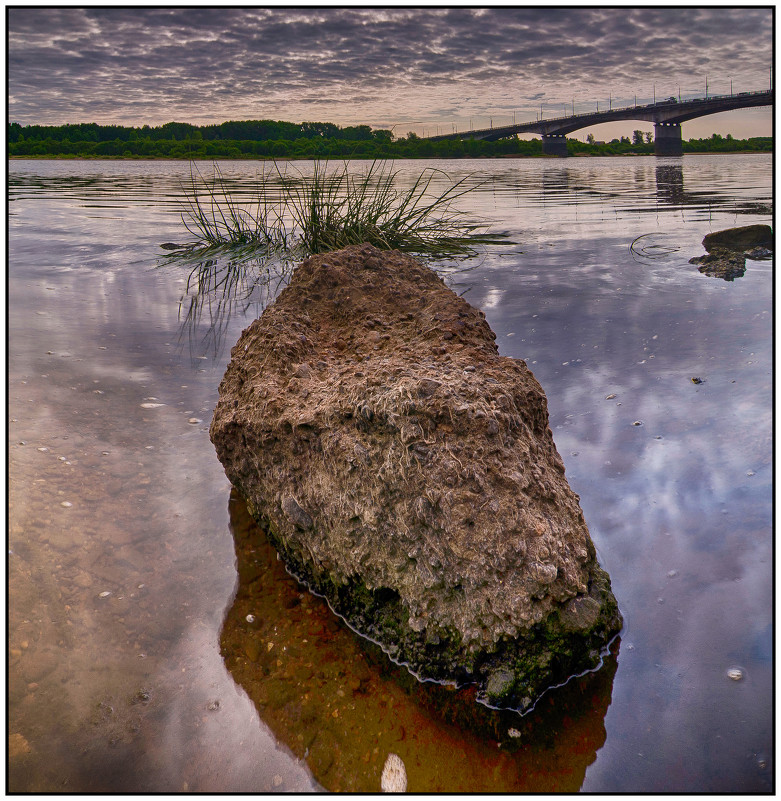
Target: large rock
(406, 471)
(728, 250)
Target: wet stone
(500, 685)
(382, 491)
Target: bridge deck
(664, 111)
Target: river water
(132, 569)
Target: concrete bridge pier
(667, 139)
(554, 145)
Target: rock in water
(728, 250)
(740, 239)
(406, 471)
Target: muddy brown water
(132, 569)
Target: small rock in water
(66, 504)
(611, 396)
(151, 405)
(194, 420)
(736, 673)
(394, 775)
(104, 594)
(637, 423)
(698, 380)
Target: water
(132, 664)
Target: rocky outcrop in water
(406, 471)
(729, 249)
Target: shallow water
(117, 681)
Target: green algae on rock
(406, 471)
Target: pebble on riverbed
(394, 775)
(736, 673)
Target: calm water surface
(132, 568)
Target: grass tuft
(331, 210)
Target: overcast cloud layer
(390, 67)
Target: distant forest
(275, 139)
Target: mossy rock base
(513, 675)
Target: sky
(425, 69)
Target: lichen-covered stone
(406, 471)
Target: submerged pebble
(736, 673)
(394, 775)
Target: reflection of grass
(217, 289)
(331, 210)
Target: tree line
(277, 139)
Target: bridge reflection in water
(338, 703)
(666, 115)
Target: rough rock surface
(406, 471)
(729, 249)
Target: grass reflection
(217, 289)
(337, 702)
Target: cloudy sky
(421, 69)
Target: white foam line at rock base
(421, 679)
(446, 682)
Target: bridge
(666, 115)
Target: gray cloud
(150, 65)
